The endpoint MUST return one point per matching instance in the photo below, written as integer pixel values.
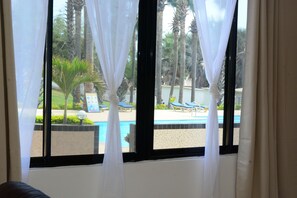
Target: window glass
(240, 63)
(181, 88)
(181, 94)
(73, 45)
(37, 138)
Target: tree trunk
(133, 64)
(78, 4)
(88, 39)
(88, 45)
(175, 55)
(159, 57)
(70, 29)
(183, 12)
(78, 33)
(65, 110)
(194, 58)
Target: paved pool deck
(131, 115)
(163, 138)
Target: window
(152, 125)
(240, 61)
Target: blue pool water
(125, 126)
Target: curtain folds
(112, 23)
(214, 19)
(10, 169)
(257, 155)
(29, 30)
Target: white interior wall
(171, 178)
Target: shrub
(77, 106)
(237, 107)
(39, 119)
(172, 99)
(59, 120)
(220, 107)
(161, 106)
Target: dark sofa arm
(19, 190)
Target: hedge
(59, 120)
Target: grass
(58, 100)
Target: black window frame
(145, 98)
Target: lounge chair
(103, 107)
(177, 105)
(197, 107)
(124, 106)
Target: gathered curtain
(29, 31)
(214, 19)
(10, 169)
(260, 132)
(112, 23)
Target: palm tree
(88, 39)
(194, 57)
(88, 48)
(70, 29)
(240, 59)
(68, 75)
(201, 77)
(133, 54)
(182, 9)
(160, 9)
(175, 29)
(60, 37)
(78, 5)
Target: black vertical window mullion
(44, 95)
(230, 78)
(48, 84)
(145, 78)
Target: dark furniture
(20, 190)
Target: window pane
(240, 62)
(37, 138)
(72, 40)
(181, 91)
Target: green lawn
(58, 100)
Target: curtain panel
(112, 23)
(214, 19)
(29, 30)
(10, 168)
(267, 157)
(256, 164)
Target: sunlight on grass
(58, 100)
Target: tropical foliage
(59, 120)
(178, 54)
(70, 74)
(181, 54)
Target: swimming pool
(125, 126)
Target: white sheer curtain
(112, 24)
(29, 30)
(214, 19)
